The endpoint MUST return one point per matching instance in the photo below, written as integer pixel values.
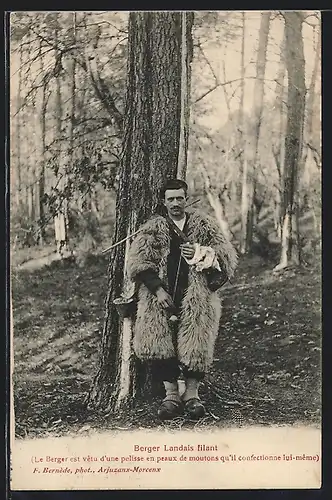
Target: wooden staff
(136, 232)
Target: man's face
(175, 203)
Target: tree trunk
(150, 156)
(93, 67)
(229, 184)
(41, 148)
(244, 207)
(18, 132)
(72, 84)
(290, 247)
(41, 181)
(311, 90)
(310, 115)
(31, 212)
(257, 114)
(243, 163)
(307, 157)
(215, 203)
(61, 217)
(187, 19)
(279, 150)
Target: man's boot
(171, 406)
(192, 403)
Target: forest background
(68, 81)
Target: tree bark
(257, 114)
(290, 247)
(150, 156)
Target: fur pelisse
(201, 308)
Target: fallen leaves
(265, 364)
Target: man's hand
(164, 299)
(187, 250)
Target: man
(178, 316)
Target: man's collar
(184, 218)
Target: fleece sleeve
(150, 279)
(225, 252)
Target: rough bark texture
(150, 155)
(290, 251)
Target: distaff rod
(136, 232)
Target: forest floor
(267, 357)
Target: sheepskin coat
(200, 311)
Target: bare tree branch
(221, 84)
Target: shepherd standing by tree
(178, 309)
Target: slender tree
(278, 148)
(243, 159)
(18, 130)
(41, 149)
(61, 215)
(310, 106)
(253, 149)
(150, 155)
(186, 58)
(294, 54)
(310, 153)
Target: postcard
(165, 240)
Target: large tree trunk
(150, 156)
(290, 247)
(250, 218)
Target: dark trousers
(170, 369)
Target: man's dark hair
(173, 184)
